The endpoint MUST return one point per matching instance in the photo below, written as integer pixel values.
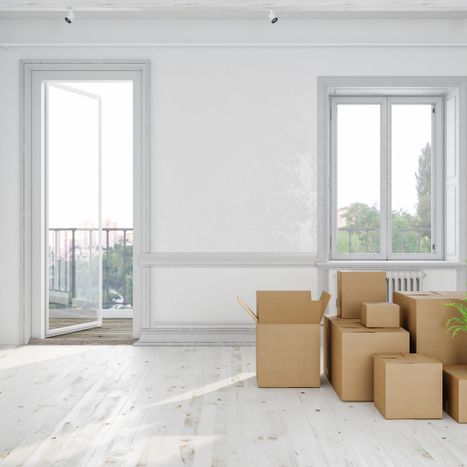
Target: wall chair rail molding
(226, 259)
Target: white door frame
(32, 323)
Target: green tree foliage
(423, 177)
(118, 273)
(410, 232)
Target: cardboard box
(354, 288)
(287, 338)
(424, 315)
(455, 391)
(349, 356)
(408, 385)
(380, 315)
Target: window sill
(375, 264)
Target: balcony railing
(73, 253)
(366, 240)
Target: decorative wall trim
(225, 259)
(457, 45)
(390, 265)
(207, 334)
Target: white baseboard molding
(206, 335)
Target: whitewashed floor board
(193, 407)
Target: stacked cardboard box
(349, 357)
(424, 315)
(287, 338)
(349, 344)
(455, 391)
(408, 385)
(380, 315)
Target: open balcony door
(72, 127)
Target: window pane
(358, 178)
(411, 144)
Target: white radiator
(404, 281)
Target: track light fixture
(272, 16)
(69, 16)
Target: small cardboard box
(455, 391)
(380, 315)
(424, 315)
(408, 385)
(354, 288)
(348, 360)
(287, 338)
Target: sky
(72, 138)
(358, 149)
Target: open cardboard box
(424, 315)
(287, 337)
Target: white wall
(233, 137)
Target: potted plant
(457, 324)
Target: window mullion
(385, 178)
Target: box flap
(458, 371)
(406, 358)
(432, 295)
(287, 307)
(247, 308)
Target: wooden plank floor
(113, 331)
(193, 406)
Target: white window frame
(385, 102)
(454, 91)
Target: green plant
(457, 324)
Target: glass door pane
(411, 143)
(73, 174)
(358, 162)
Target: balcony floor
(114, 331)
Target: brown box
(348, 360)
(354, 288)
(455, 391)
(408, 385)
(287, 338)
(380, 315)
(424, 315)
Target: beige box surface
(424, 315)
(455, 391)
(348, 358)
(380, 315)
(408, 385)
(354, 288)
(287, 338)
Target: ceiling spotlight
(70, 16)
(272, 16)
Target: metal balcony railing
(73, 254)
(366, 240)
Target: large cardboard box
(408, 385)
(287, 338)
(424, 315)
(354, 288)
(455, 391)
(348, 360)
(380, 315)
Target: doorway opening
(88, 154)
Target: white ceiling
(232, 6)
